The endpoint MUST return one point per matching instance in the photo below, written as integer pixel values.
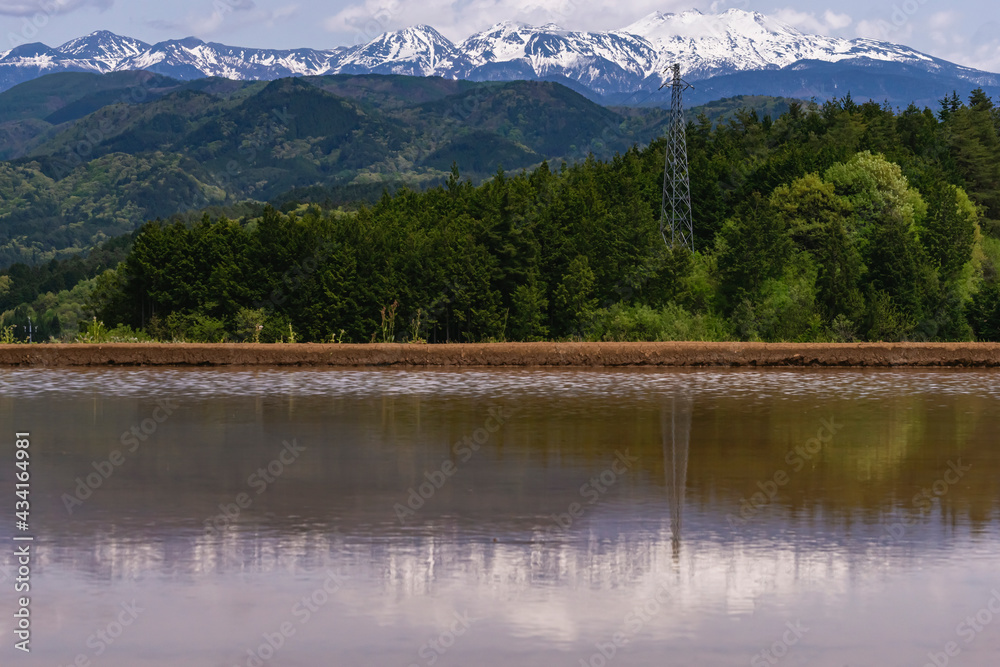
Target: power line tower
(675, 219)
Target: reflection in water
(676, 442)
(814, 553)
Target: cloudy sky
(963, 31)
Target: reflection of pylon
(676, 433)
(675, 219)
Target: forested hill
(90, 157)
(840, 222)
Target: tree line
(832, 222)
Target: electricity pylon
(675, 219)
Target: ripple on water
(637, 384)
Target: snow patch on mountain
(105, 48)
(419, 50)
(710, 44)
(627, 60)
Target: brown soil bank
(508, 354)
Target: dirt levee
(507, 354)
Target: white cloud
(457, 19)
(32, 8)
(280, 14)
(987, 57)
(797, 19)
(883, 30)
(981, 49)
(942, 20)
(941, 29)
(827, 24)
(835, 20)
(227, 15)
(951, 35)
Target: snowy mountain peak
(408, 41)
(32, 50)
(101, 39)
(627, 60)
(693, 24)
(738, 40)
(187, 42)
(508, 26)
(418, 50)
(104, 47)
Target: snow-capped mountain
(104, 48)
(551, 46)
(602, 61)
(30, 61)
(191, 58)
(613, 63)
(417, 51)
(707, 45)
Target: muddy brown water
(251, 517)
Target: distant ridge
(613, 64)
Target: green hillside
(727, 108)
(78, 172)
(47, 96)
(839, 222)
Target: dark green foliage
(752, 248)
(837, 222)
(949, 233)
(158, 147)
(69, 95)
(480, 152)
(28, 282)
(574, 298)
(764, 106)
(972, 138)
(984, 313)
(897, 265)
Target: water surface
(829, 517)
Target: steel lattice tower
(675, 218)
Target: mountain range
(624, 66)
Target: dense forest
(92, 157)
(833, 222)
